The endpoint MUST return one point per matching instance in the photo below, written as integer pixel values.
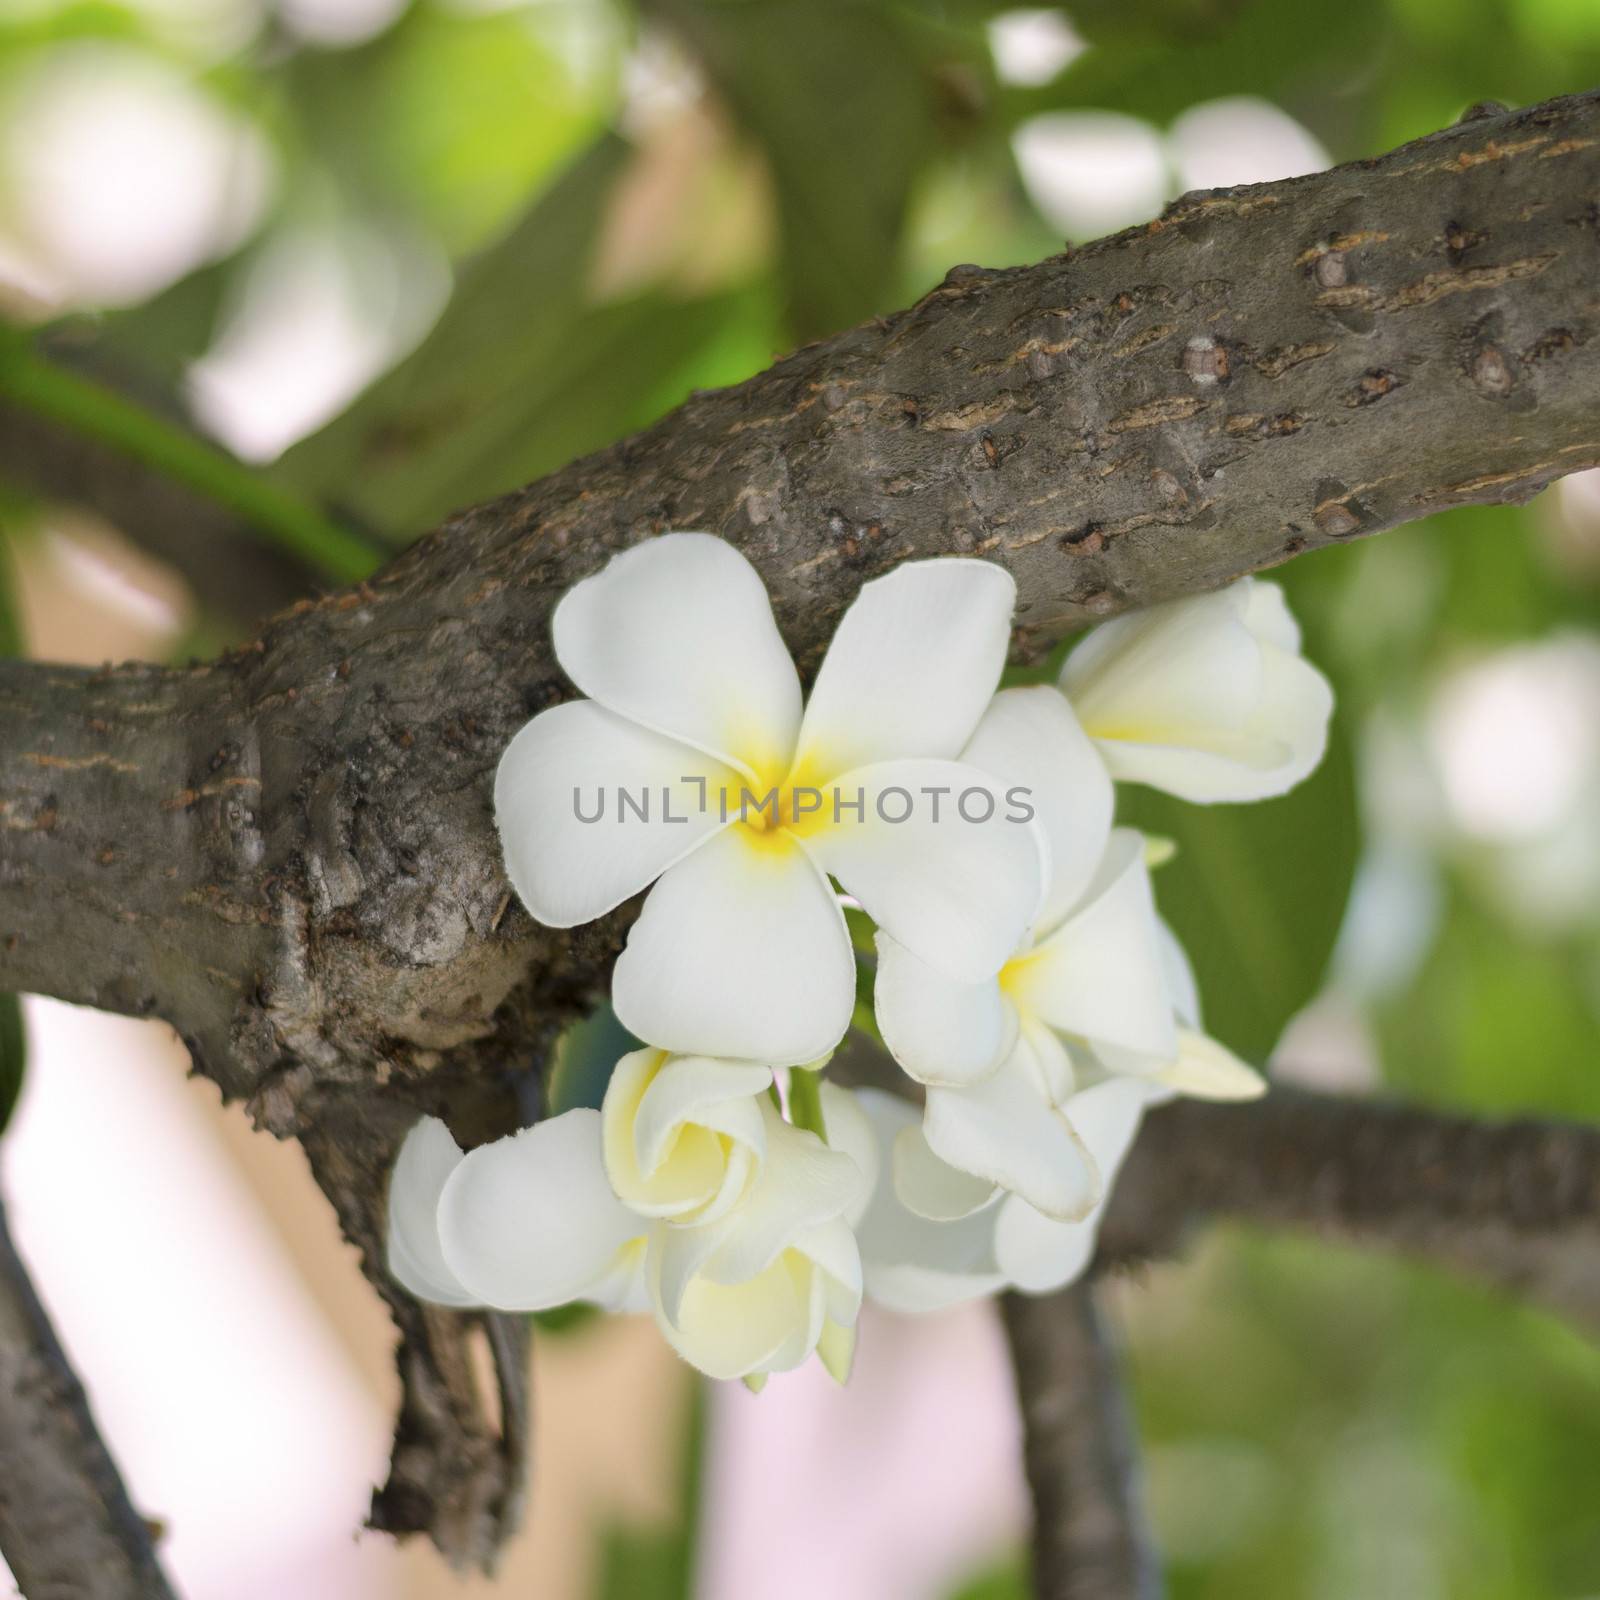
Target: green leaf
(576, 1316)
(583, 1058)
(1256, 894)
(836, 94)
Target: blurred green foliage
(1320, 1425)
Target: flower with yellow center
(687, 1195)
(1095, 989)
(665, 775)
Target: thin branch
(1089, 1538)
(67, 1528)
(1515, 1204)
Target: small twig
(67, 1527)
(1089, 1539)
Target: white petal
(932, 1187)
(530, 1221)
(939, 1029)
(578, 760)
(677, 634)
(1163, 672)
(741, 951)
(910, 1263)
(835, 1291)
(1005, 1130)
(680, 1132)
(831, 1247)
(1182, 989)
(959, 894)
(728, 1330)
(1100, 975)
(911, 666)
(1205, 697)
(1210, 1071)
(836, 1350)
(1039, 1253)
(850, 1132)
(1267, 614)
(421, 1170)
(803, 1184)
(1052, 1060)
(1030, 738)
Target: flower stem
(805, 1101)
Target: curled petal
(850, 1132)
(677, 634)
(1030, 739)
(803, 1185)
(579, 761)
(1206, 697)
(911, 666)
(1208, 1070)
(958, 888)
(930, 1186)
(416, 1258)
(530, 1221)
(741, 952)
(730, 1330)
(1006, 1130)
(938, 1028)
(836, 1350)
(1038, 1253)
(682, 1135)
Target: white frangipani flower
(915, 1263)
(741, 950)
(1207, 697)
(1092, 990)
(687, 1195)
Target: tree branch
(289, 853)
(67, 1528)
(1089, 1537)
(1515, 1204)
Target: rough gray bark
(67, 1527)
(1513, 1204)
(1090, 1541)
(288, 853)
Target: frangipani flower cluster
(1023, 980)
